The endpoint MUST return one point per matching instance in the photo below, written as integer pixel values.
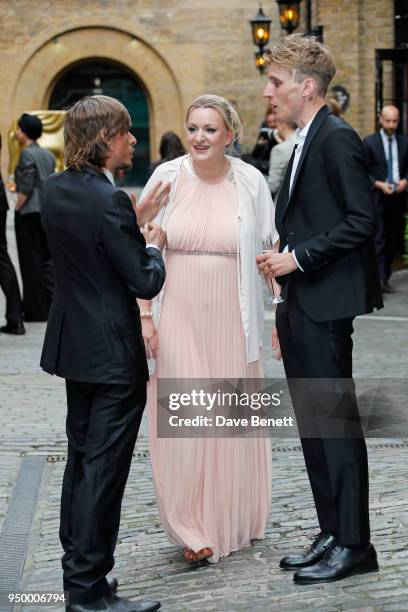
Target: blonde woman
(213, 493)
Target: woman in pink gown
(213, 492)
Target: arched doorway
(109, 78)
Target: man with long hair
(94, 339)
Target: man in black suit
(387, 156)
(94, 338)
(8, 278)
(327, 267)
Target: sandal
(192, 556)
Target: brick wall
(187, 47)
(353, 29)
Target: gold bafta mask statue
(52, 138)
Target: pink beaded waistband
(183, 252)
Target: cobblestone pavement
(32, 414)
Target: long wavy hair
(170, 146)
(89, 126)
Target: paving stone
(32, 421)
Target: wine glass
(275, 298)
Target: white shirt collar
(385, 136)
(110, 176)
(302, 133)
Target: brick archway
(52, 58)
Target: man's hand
(154, 234)
(21, 200)
(275, 343)
(148, 208)
(386, 188)
(276, 264)
(402, 185)
(150, 338)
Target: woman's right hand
(275, 344)
(154, 200)
(150, 338)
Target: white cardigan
(255, 218)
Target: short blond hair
(303, 56)
(226, 110)
(89, 125)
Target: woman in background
(213, 493)
(170, 148)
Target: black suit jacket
(101, 267)
(329, 221)
(377, 162)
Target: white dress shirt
(300, 137)
(394, 150)
(109, 175)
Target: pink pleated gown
(211, 492)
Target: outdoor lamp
(260, 61)
(260, 26)
(289, 15)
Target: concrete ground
(32, 413)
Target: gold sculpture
(52, 139)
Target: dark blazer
(101, 266)
(34, 166)
(376, 160)
(329, 220)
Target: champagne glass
(275, 298)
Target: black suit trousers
(390, 221)
(102, 425)
(8, 278)
(35, 265)
(337, 465)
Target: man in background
(267, 138)
(280, 155)
(387, 157)
(35, 164)
(8, 277)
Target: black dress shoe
(320, 545)
(115, 604)
(113, 584)
(16, 330)
(338, 563)
(386, 287)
